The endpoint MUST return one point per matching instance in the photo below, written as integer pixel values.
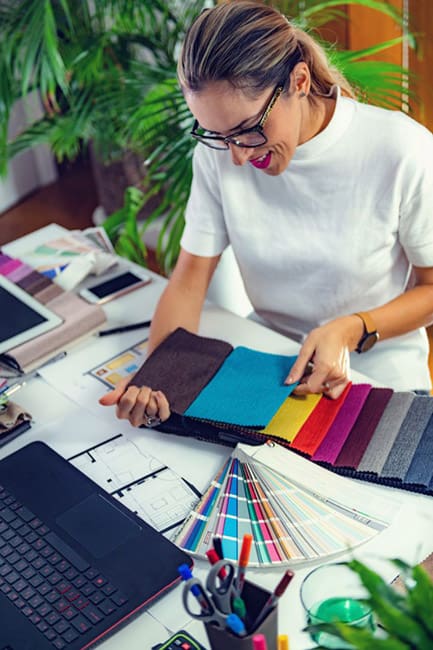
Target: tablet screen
(22, 317)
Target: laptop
(75, 564)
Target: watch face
(367, 341)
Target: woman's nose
(239, 155)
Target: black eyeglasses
(250, 138)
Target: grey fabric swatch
(404, 447)
(386, 432)
(421, 467)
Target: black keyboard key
(25, 514)
(69, 613)
(42, 626)
(50, 634)
(108, 589)
(107, 607)
(28, 573)
(36, 580)
(70, 635)
(59, 643)
(97, 597)
(81, 624)
(76, 560)
(61, 627)
(119, 599)
(93, 614)
(52, 618)
(7, 515)
(44, 609)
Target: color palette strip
(290, 521)
(79, 317)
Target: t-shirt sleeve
(205, 232)
(416, 215)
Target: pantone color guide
(294, 514)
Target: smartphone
(115, 286)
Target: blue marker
(235, 624)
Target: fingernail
(289, 380)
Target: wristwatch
(370, 336)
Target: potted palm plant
(105, 71)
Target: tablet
(22, 317)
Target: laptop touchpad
(98, 525)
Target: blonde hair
(253, 47)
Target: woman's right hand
(138, 405)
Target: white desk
(410, 536)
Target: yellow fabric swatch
(291, 416)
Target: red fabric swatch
(317, 425)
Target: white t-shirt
(335, 233)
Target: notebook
(75, 564)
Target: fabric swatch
(404, 447)
(363, 429)
(421, 467)
(19, 273)
(248, 389)
(8, 266)
(291, 416)
(181, 366)
(340, 429)
(318, 423)
(386, 432)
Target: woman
(326, 202)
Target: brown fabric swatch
(181, 366)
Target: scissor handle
(205, 610)
(221, 585)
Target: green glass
(339, 609)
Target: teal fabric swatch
(247, 389)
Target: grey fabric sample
(404, 447)
(421, 467)
(386, 432)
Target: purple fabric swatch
(9, 266)
(20, 272)
(4, 258)
(364, 427)
(342, 425)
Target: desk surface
(56, 416)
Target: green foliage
(122, 228)
(405, 619)
(106, 73)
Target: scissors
(208, 613)
(221, 583)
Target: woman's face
(225, 110)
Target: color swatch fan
(295, 511)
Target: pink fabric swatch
(343, 423)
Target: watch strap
(369, 324)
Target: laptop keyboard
(54, 587)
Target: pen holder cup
(254, 598)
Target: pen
(243, 561)
(218, 546)
(273, 598)
(185, 574)
(283, 642)
(259, 642)
(125, 328)
(213, 558)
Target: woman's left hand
(327, 348)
